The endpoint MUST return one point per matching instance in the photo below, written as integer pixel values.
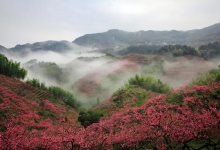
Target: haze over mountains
(118, 39)
(110, 75)
(90, 87)
(82, 67)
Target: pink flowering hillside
(29, 120)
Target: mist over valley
(91, 73)
(109, 75)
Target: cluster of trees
(136, 91)
(207, 51)
(148, 83)
(11, 68)
(179, 50)
(214, 45)
(210, 50)
(66, 96)
(175, 50)
(207, 78)
(87, 118)
(140, 49)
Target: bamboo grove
(11, 68)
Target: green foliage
(137, 90)
(34, 82)
(2, 115)
(207, 78)
(3, 128)
(175, 99)
(66, 96)
(132, 95)
(140, 49)
(148, 83)
(210, 50)
(47, 114)
(179, 50)
(87, 118)
(11, 68)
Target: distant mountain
(118, 38)
(56, 46)
(2, 49)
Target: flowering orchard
(192, 122)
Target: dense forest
(178, 50)
(140, 49)
(210, 50)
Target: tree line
(207, 51)
(179, 50)
(11, 68)
(139, 49)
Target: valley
(121, 94)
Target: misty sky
(29, 21)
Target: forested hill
(55, 46)
(118, 38)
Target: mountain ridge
(119, 39)
(49, 45)
(114, 37)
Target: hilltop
(118, 39)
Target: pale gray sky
(29, 21)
